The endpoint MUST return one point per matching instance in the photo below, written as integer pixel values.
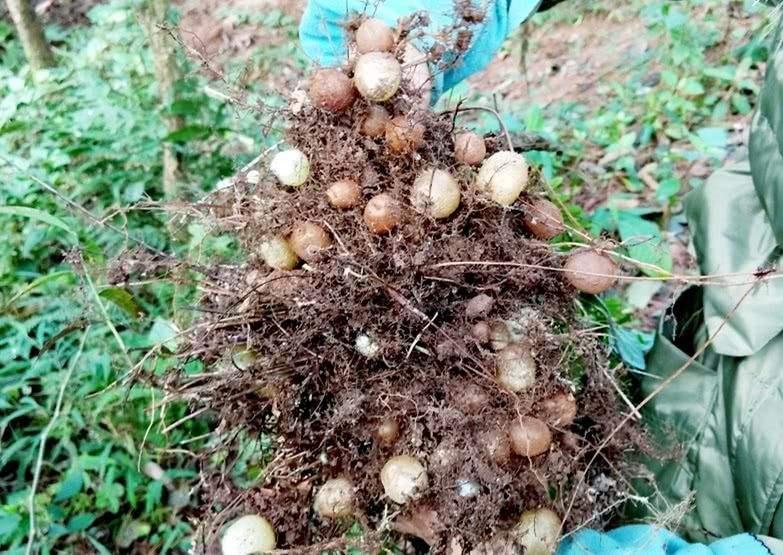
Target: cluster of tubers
(501, 177)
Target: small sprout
(291, 167)
(403, 478)
(248, 535)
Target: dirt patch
(565, 61)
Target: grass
(111, 473)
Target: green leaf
(81, 522)
(71, 485)
(122, 299)
(35, 214)
(643, 240)
(36, 283)
(667, 189)
(188, 133)
(9, 523)
(130, 531)
(691, 87)
(640, 293)
(723, 73)
(164, 332)
(631, 345)
(741, 104)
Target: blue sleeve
(642, 539)
(323, 37)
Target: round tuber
(435, 192)
(374, 124)
(291, 167)
(471, 398)
(480, 305)
(334, 498)
(529, 436)
(377, 76)
(344, 193)
(590, 271)
(373, 35)
(469, 148)
(516, 368)
(388, 431)
(538, 531)
(403, 478)
(278, 254)
(481, 332)
(309, 240)
(382, 213)
(559, 410)
(404, 135)
(496, 445)
(543, 219)
(503, 176)
(248, 535)
(332, 90)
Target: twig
(44, 435)
(501, 123)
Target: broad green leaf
(691, 87)
(643, 240)
(631, 345)
(71, 485)
(724, 73)
(164, 332)
(35, 214)
(667, 189)
(640, 293)
(8, 523)
(741, 103)
(122, 299)
(130, 531)
(189, 133)
(81, 522)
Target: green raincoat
(726, 408)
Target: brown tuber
(543, 219)
(373, 35)
(332, 90)
(538, 531)
(374, 124)
(279, 254)
(471, 398)
(496, 445)
(480, 305)
(388, 431)
(590, 271)
(309, 240)
(529, 436)
(404, 135)
(503, 176)
(469, 148)
(559, 410)
(481, 332)
(345, 193)
(403, 478)
(382, 213)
